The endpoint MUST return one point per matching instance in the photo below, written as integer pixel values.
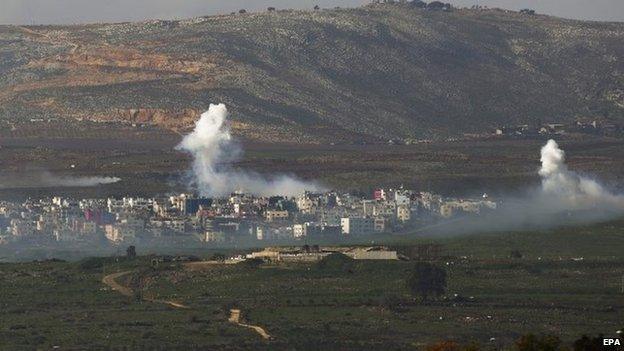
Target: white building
(261, 233)
(214, 237)
(380, 224)
(305, 204)
(139, 203)
(357, 225)
(120, 233)
(298, 231)
(402, 197)
(114, 205)
(274, 215)
(404, 213)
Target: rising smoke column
(214, 151)
(563, 198)
(570, 191)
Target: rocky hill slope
(380, 71)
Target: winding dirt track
(112, 283)
(235, 318)
(110, 280)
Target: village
(187, 219)
(586, 126)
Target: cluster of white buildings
(187, 219)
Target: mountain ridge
(376, 72)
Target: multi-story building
(380, 224)
(357, 225)
(404, 213)
(276, 215)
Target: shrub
(586, 343)
(253, 263)
(92, 263)
(516, 254)
(427, 279)
(452, 346)
(336, 262)
(218, 257)
(391, 302)
(532, 342)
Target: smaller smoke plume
(43, 179)
(78, 182)
(564, 198)
(573, 191)
(214, 151)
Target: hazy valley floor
(149, 165)
(567, 283)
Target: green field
(358, 305)
(149, 165)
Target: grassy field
(567, 283)
(148, 164)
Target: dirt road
(235, 318)
(111, 281)
(235, 314)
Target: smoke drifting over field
(570, 190)
(43, 179)
(564, 198)
(79, 182)
(214, 151)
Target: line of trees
(434, 5)
(527, 12)
(271, 9)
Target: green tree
(391, 302)
(587, 343)
(426, 279)
(532, 342)
(516, 254)
(336, 262)
(218, 257)
(448, 345)
(253, 262)
(131, 251)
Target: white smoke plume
(564, 198)
(79, 182)
(573, 191)
(214, 151)
(44, 179)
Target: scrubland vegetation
(563, 283)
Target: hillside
(380, 71)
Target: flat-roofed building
(357, 225)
